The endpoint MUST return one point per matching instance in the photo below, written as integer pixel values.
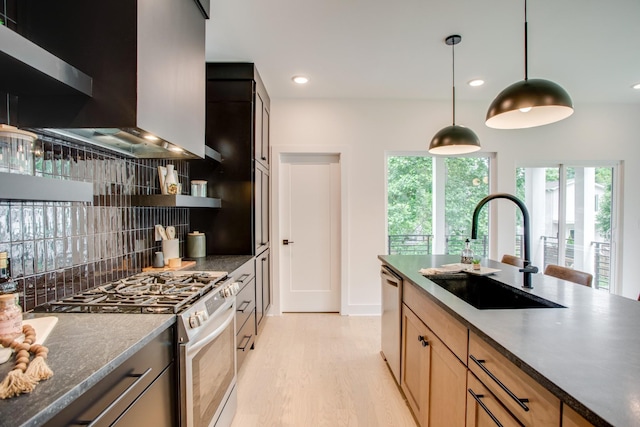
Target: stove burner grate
(166, 292)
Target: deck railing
(421, 244)
(601, 259)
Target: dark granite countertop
(81, 352)
(226, 263)
(587, 354)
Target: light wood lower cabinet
(484, 409)
(432, 377)
(456, 376)
(571, 418)
(524, 397)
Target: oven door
(208, 371)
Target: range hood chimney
(146, 59)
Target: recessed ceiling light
(476, 82)
(300, 79)
(151, 137)
(636, 86)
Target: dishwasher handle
(390, 277)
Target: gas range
(147, 292)
(204, 305)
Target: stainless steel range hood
(146, 59)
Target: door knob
(286, 242)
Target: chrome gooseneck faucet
(528, 268)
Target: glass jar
(10, 317)
(16, 150)
(199, 188)
(5, 271)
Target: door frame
(276, 243)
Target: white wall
(368, 128)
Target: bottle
(467, 253)
(10, 317)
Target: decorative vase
(170, 181)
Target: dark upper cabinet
(237, 126)
(261, 131)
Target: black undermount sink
(485, 293)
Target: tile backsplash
(60, 248)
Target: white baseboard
(363, 310)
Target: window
(572, 216)
(430, 202)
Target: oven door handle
(193, 349)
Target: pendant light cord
(453, 80)
(526, 51)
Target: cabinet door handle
(264, 158)
(122, 396)
(244, 347)
(423, 340)
(243, 277)
(245, 304)
(478, 398)
(519, 401)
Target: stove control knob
(202, 316)
(194, 321)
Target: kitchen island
(586, 354)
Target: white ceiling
(395, 48)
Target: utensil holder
(170, 249)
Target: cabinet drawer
(245, 273)
(245, 338)
(106, 401)
(521, 394)
(483, 408)
(245, 303)
(453, 333)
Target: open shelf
(212, 154)
(175, 200)
(28, 187)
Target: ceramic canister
(196, 245)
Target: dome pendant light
(529, 103)
(454, 139)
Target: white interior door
(310, 222)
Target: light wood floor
(315, 370)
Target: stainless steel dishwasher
(391, 319)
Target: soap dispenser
(467, 253)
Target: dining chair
(566, 273)
(513, 260)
